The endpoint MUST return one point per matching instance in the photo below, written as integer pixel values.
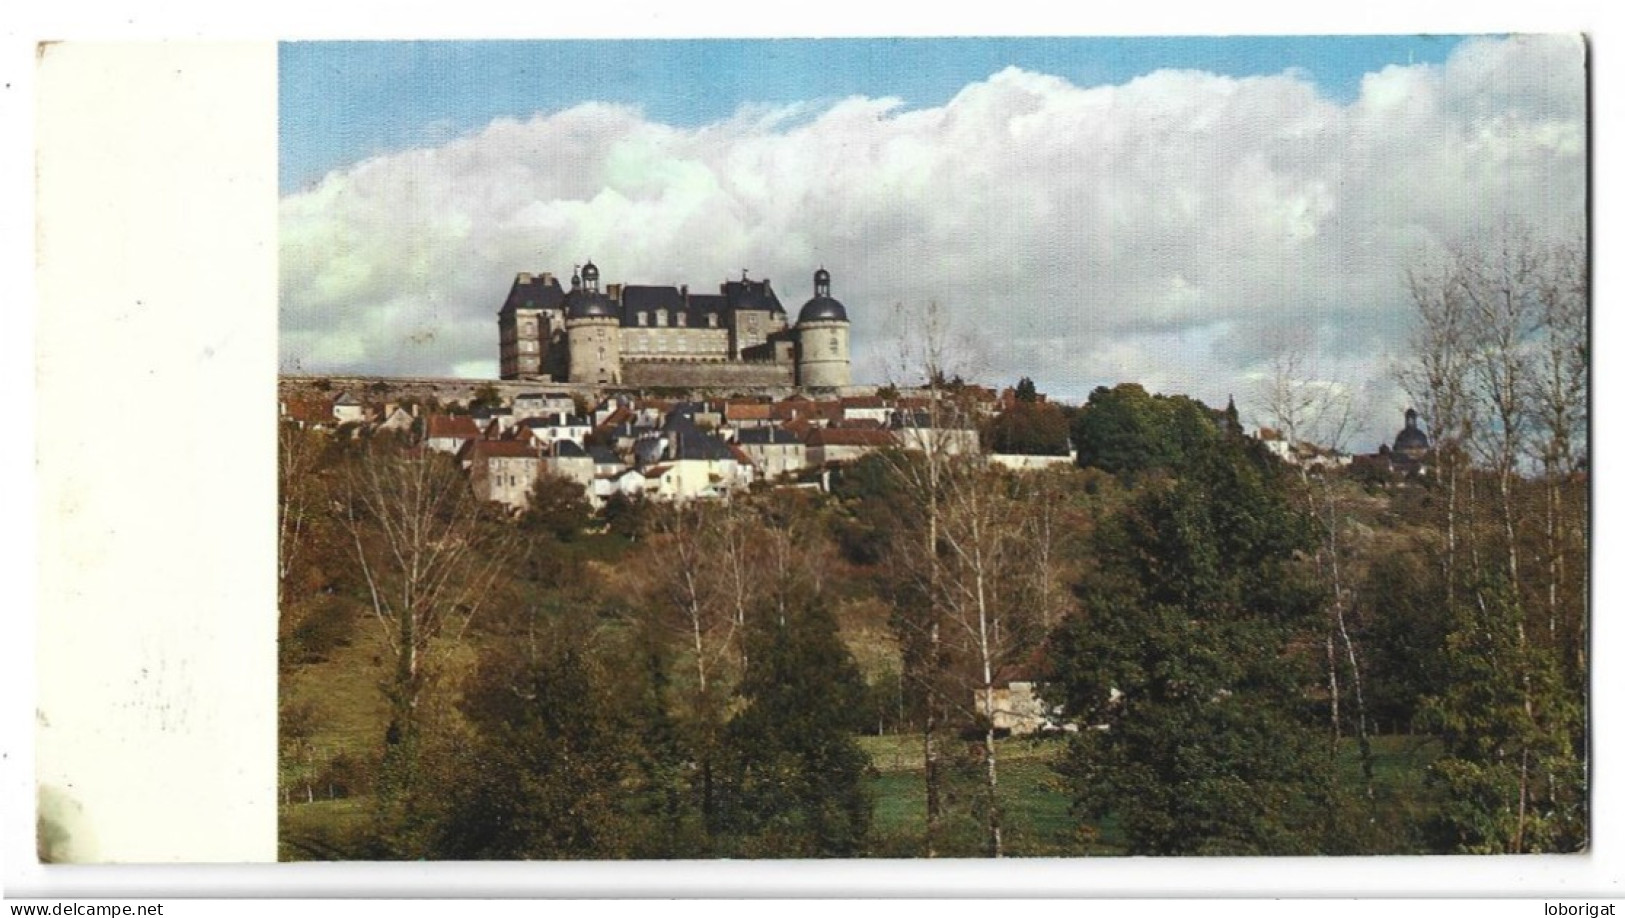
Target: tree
(1309, 408)
(1026, 391)
(571, 754)
(985, 589)
(298, 492)
(1498, 356)
(557, 506)
(1183, 656)
(428, 564)
(928, 353)
(1029, 428)
(794, 783)
(486, 395)
(1130, 433)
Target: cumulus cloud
(1162, 231)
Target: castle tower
(823, 354)
(593, 329)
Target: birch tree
(1501, 312)
(428, 563)
(927, 360)
(1315, 411)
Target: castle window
(682, 319)
(643, 318)
(660, 317)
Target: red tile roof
(504, 449)
(452, 426)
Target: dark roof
(641, 297)
(552, 420)
(1411, 439)
(822, 309)
(752, 294)
(763, 436)
(534, 292)
(584, 304)
(603, 455)
(567, 449)
(691, 442)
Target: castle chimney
(615, 292)
(524, 277)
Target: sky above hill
(1087, 211)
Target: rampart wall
(706, 375)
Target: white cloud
(1154, 231)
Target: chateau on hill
(651, 336)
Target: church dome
(1411, 439)
(822, 307)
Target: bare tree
(927, 362)
(298, 492)
(1315, 408)
(427, 561)
(1501, 352)
(1559, 405)
(985, 589)
(692, 584)
(1437, 378)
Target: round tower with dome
(593, 323)
(1411, 442)
(823, 353)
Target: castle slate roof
(534, 292)
(585, 304)
(751, 294)
(822, 309)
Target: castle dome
(822, 307)
(1411, 440)
(584, 305)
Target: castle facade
(646, 335)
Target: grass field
(1037, 821)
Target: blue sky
(341, 102)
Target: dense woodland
(1247, 656)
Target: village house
(542, 404)
(830, 445)
(449, 433)
(567, 460)
(347, 409)
(550, 429)
(935, 431)
(775, 452)
(502, 471)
